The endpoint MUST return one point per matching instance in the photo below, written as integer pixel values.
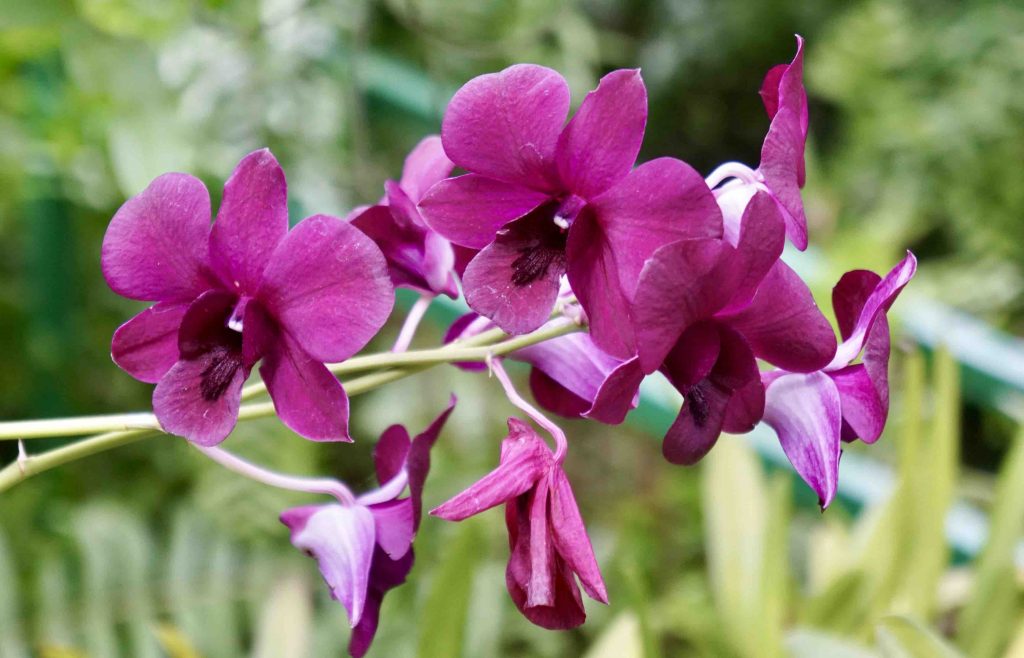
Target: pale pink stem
(279, 480)
(388, 491)
(412, 321)
(561, 444)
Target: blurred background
(917, 141)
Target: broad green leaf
(173, 642)
(807, 643)
(442, 619)
(904, 637)
(621, 639)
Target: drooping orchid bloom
(781, 172)
(242, 290)
(364, 547)
(549, 547)
(418, 258)
(543, 198)
(707, 309)
(812, 412)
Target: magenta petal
(571, 540)
(341, 540)
(782, 157)
(418, 464)
(805, 412)
(493, 290)
(659, 202)
(540, 588)
(524, 458)
(693, 356)
(618, 394)
(698, 425)
(761, 240)
(307, 397)
(425, 165)
(469, 209)
(155, 248)
(403, 242)
(505, 125)
(327, 285)
(600, 144)
(849, 296)
(745, 408)
(554, 397)
(784, 325)
(385, 574)
(391, 451)
(182, 407)
(573, 361)
(770, 88)
(864, 388)
(878, 302)
(252, 219)
(682, 284)
(147, 345)
(395, 525)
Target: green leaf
(807, 643)
(285, 625)
(905, 637)
(442, 621)
(12, 641)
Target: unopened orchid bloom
(548, 542)
(543, 198)
(363, 547)
(242, 290)
(418, 258)
(781, 172)
(812, 412)
(707, 309)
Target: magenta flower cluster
(668, 271)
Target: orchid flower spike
(240, 291)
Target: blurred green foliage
(917, 140)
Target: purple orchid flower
(707, 309)
(364, 549)
(418, 258)
(782, 171)
(811, 412)
(571, 376)
(244, 290)
(544, 198)
(548, 542)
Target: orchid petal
(573, 361)
(469, 210)
(183, 409)
(782, 162)
(425, 165)
(252, 220)
(155, 248)
(618, 394)
(341, 540)
(328, 287)
(761, 239)
(554, 397)
(849, 296)
(864, 388)
(505, 125)
(805, 411)
(571, 540)
(418, 464)
(391, 452)
(745, 408)
(600, 144)
(395, 526)
(146, 346)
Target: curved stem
(561, 444)
(280, 480)
(412, 321)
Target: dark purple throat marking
(217, 376)
(698, 402)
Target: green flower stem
(137, 426)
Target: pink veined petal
(864, 388)
(770, 88)
(400, 242)
(761, 240)
(341, 540)
(327, 285)
(182, 409)
(505, 125)
(307, 397)
(600, 144)
(470, 209)
(391, 451)
(554, 397)
(619, 393)
(418, 464)
(782, 157)
(540, 588)
(524, 459)
(805, 411)
(659, 202)
(791, 90)
(849, 296)
(491, 285)
(425, 165)
(879, 301)
(155, 248)
(146, 346)
(395, 526)
(682, 284)
(784, 325)
(252, 220)
(385, 574)
(570, 535)
(574, 361)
